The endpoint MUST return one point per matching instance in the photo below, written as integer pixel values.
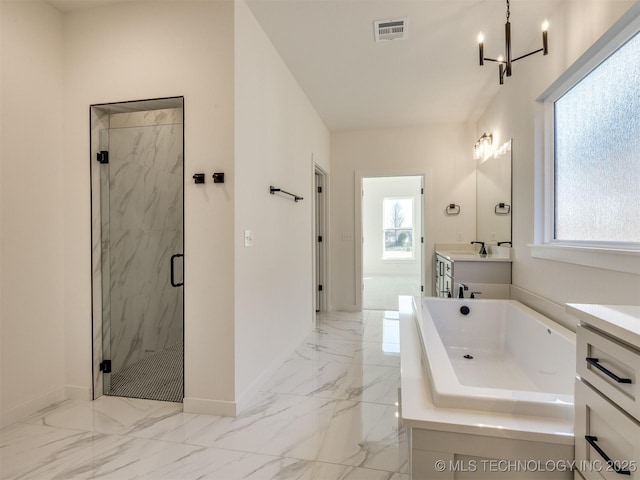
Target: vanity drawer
(612, 431)
(611, 367)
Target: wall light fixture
(482, 147)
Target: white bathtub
(517, 361)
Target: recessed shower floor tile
(156, 377)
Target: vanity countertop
(621, 321)
(471, 256)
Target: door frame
(99, 118)
(320, 264)
(360, 175)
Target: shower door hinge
(105, 366)
(103, 156)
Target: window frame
(618, 256)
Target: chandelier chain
(508, 11)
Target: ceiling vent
(391, 29)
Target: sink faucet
(483, 250)
(461, 288)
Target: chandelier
(505, 62)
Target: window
(588, 175)
(397, 224)
(597, 153)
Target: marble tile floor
(329, 413)
(381, 291)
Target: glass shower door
(141, 194)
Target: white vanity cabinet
(607, 395)
(474, 271)
(443, 281)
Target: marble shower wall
(145, 230)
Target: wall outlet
(248, 238)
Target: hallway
(328, 413)
(381, 291)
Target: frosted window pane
(597, 152)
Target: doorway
(137, 173)
(392, 240)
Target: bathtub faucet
(461, 288)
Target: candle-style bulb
(481, 48)
(545, 40)
(480, 37)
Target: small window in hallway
(398, 228)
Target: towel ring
(503, 209)
(452, 209)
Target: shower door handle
(173, 282)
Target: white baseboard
(345, 308)
(205, 406)
(75, 392)
(30, 407)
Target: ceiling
(431, 77)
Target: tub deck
(418, 410)
(448, 435)
(497, 356)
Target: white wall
(376, 189)
(53, 68)
(511, 115)
(139, 50)
(441, 152)
(31, 213)
(277, 134)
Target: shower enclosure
(137, 248)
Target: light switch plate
(248, 238)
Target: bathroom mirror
(493, 210)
